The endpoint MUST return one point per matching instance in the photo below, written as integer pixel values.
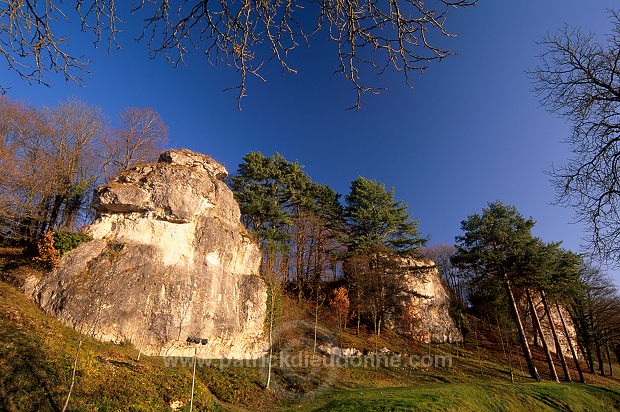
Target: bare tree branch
(578, 79)
(400, 35)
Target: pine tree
(494, 245)
(380, 234)
(375, 217)
(260, 188)
(291, 216)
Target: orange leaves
(48, 256)
(339, 301)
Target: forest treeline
(346, 253)
(351, 254)
(501, 267)
(312, 242)
(51, 159)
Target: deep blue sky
(469, 132)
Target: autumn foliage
(339, 301)
(48, 255)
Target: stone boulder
(423, 310)
(169, 260)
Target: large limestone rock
(169, 260)
(423, 310)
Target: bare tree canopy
(579, 79)
(140, 139)
(401, 35)
(52, 158)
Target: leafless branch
(579, 80)
(369, 35)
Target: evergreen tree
(380, 233)
(266, 188)
(496, 244)
(296, 221)
(374, 217)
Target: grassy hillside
(471, 397)
(37, 354)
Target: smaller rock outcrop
(546, 327)
(424, 308)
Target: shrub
(67, 241)
(114, 249)
(48, 255)
(339, 301)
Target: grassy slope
(37, 352)
(471, 397)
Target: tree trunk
(299, 259)
(316, 321)
(381, 300)
(271, 315)
(599, 357)
(58, 201)
(592, 335)
(512, 375)
(554, 374)
(587, 351)
(611, 371)
(35, 227)
(501, 339)
(191, 400)
(374, 321)
(570, 344)
(534, 331)
(359, 318)
(272, 285)
(478, 353)
(522, 338)
(556, 341)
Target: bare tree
(400, 35)
(50, 166)
(25, 181)
(579, 79)
(50, 162)
(77, 130)
(454, 278)
(31, 44)
(140, 138)
(596, 315)
(377, 279)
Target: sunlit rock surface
(423, 309)
(546, 327)
(169, 259)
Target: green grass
(36, 359)
(37, 352)
(470, 397)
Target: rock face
(170, 259)
(423, 311)
(546, 327)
